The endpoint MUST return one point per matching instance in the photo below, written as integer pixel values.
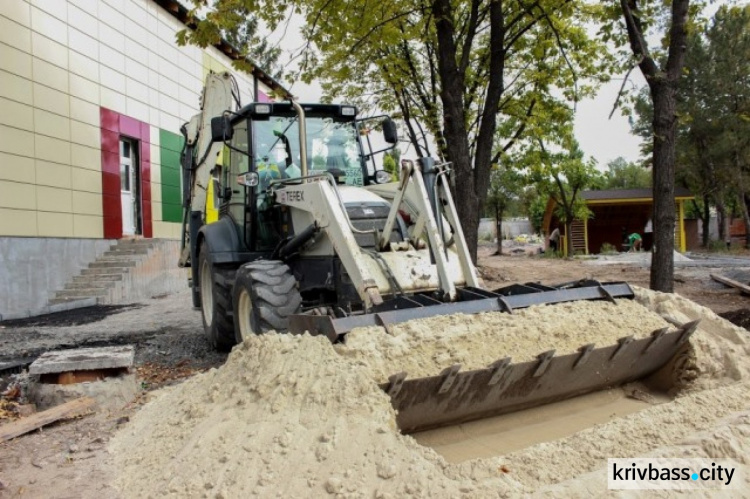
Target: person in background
(554, 239)
(634, 240)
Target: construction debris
(101, 373)
(68, 410)
(744, 288)
(83, 359)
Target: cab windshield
(331, 145)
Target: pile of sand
(286, 417)
(289, 416)
(425, 347)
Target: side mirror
(249, 179)
(390, 131)
(221, 128)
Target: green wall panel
(170, 145)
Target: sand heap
(292, 416)
(425, 347)
(285, 417)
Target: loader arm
(201, 153)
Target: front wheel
(216, 302)
(265, 295)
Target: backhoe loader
(312, 238)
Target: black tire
(215, 285)
(195, 288)
(265, 294)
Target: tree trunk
(744, 199)
(568, 238)
(662, 82)
(499, 229)
(706, 220)
(721, 218)
(665, 126)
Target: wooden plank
(731, 282)
(70, 409)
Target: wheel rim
(207, 295)
(245, 311)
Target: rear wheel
(216, 301)
(265, 295)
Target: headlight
(382, 177)
(249, 179)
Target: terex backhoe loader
(310, 237)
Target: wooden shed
(617, 213)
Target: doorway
(130, 192)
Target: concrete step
(127, 251)
(73, 303)
(81, 293)
(117, 257)
(89, 284)
(106, 271)
(111, 263)
(137, 243)
(98, 277)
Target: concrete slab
(109, 393)
(82, 359)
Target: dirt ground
(70, 459)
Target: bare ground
(70, 459)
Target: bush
(716, 245)
(608, 249)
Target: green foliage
(561, 176)
(237, 22)
(390, 164)
(505, 186)
(318, 162)
(244, 36)
(622, 174)
(608, 249)
(533, 204)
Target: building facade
(92, 97)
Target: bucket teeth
(585, 352)
(544, 360)
(499, 368)
(395, 382)
(450, 376)
(656, 336)
(622, 344)
(455, 395)
(687, 331)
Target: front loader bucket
(454, 397)
(472, 301)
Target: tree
(244, 37)
(390, 162)
(622, 174)
(662, 82)
(479, 76)
(712, 107)
(505, 184)
(533, 204)
(561, 176)
(729, 44)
